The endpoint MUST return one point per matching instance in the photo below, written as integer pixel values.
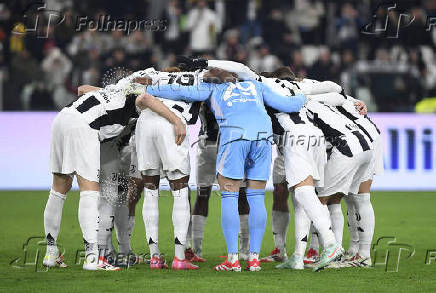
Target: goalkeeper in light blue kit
(244, 150)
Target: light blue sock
(256, 218)
(230, 219)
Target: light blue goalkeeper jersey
(238, 107)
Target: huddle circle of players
(121, 139)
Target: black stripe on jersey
(276, 127)
(378, 130)
(209, 126)
(178, 108)
(334, 136)
(118, 116)
(194, 110)
(353, 118)
(295, 117)
(88, 104)
(362, 140)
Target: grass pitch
(408, 216)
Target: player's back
(107, 110)
(341, 132)
(240, 112)
(362, 121)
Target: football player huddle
(120, 140)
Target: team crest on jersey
(231, 97)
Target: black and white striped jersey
(362, 121)
(341, 132)
(107, 110)
(189, 111)
(209, 127)
(282, 122)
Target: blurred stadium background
(44, 56)
(383, 56)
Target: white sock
(280, 222)
(105, 226)
(189, 235)
(314, 238)
(232, 257)
(244, 234)
(366, 223)
(352, 224)
(150, 215)
(122, 228)
(198, 222)
(337, 219)
(88, 219)
(181, 216)
(253, 255)
(306, 197)
(302, 227)
(53, 216)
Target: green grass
(408, 216)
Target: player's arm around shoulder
(283, 103)
(145, 100)
(83, 89)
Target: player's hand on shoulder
(190, 64)
(361, 107)
(135, 89)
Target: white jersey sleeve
(240, 69)
(332, 98)
(314, 87)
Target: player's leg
(198, 220)
(52, 217)
(149, 164)
(176, 166)
(280, 211)
(365, 217)
(257, 173)
(58, 193)
(365, 220)
(109, 172)
(150, 215)
(135, 187)
(339, 176)
(88, 220)
(336, 216)
(352, 227)
(364, 212)
(230, 221)
(181, 217)
(308, 208)
(244, 231)
(122, 219)
(206, 177)
(280, 222)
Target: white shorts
(279, 173)
(344, 174)
(376, 166)
(304, 151)
(75, 148)
(206, 163)
(133, 169)
(157, 150)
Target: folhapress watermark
(37, 18)
(394, 18)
